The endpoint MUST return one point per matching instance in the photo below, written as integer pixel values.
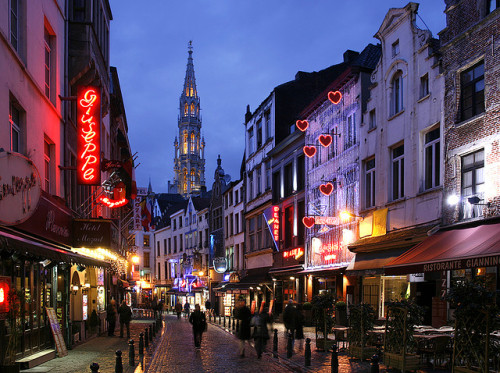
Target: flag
(145, 215)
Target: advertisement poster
(85, 306)
(252, 308)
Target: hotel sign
(92, 233)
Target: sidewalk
(101, 350)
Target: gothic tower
(189, 163)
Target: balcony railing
(469, 210)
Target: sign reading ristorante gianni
(92, 233)
(19, 188)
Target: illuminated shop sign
(294, 253)
(88, 162)
(4, 296)
(272, 216)
(309, 221)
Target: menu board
(56, 332)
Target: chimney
(248, 115)
(350, 56)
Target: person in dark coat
(111, 317)
(260, 331)
(244, 315)
(178, 309)
(299, 326)
(290, 318)
(125, 316)
(199, 322)
(187, 308)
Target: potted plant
(341, 313)
(476, 316)
(13, 332)
(361, 320)
(308, 319)
(323, 306)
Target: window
(288, 182)
(49, 64)
(250, 185)
(267, 122)
(259, 134)
(175, 224)
(164, 246)
(301, 208)
(157, 248)
(165, 264)
(15, 129)
(235, 197)
(372, 120)
(250, 140)
(398, 171)
(268, 175)
(49, 165)
(395, 48)
(424, 85)
(288, 223)
(491, 5)
(301, 172)
(236, 224)
(79, 11)
(251, 233)
(370, 183)
(231, 225)
(146, 259)
(472, 91)
(14, 23)
(350, 138)
(332, 149)
(175, 244)
(146, 240)
(180, 221)
(230, 198)
(472, 183)
(397, 93)
(432, 159)
(259, 180)
(259, 241)
(276, 186)
(192, 145)
(180, 242)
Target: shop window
(394, 288)
(288, 182)
(472, 91)
(370, 292)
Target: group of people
(187, 309)
(259, 322)
(293, 318)
(125, 315)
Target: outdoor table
(342, 330)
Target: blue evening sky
(242, 50)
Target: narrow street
(218, 353)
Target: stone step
(36, 359)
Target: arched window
(193, 173)
(184, 182)
(397, 93)
(186, 109)
(185, 142)
(187, 91)
(192, 110)
(193, 141)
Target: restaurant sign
(19, 188)
(448, 265)
(92, 233)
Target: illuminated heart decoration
(326, 189)
(325, 140)
(308, 221)
(302, 125)
(310, 151)
(335, 97)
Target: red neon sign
(335, 97)
(276, 223)
(294, 253)
(88, 162)
(113, 203)
(4, 295)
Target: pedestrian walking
(260, 331)
(208, 305)
(187, 308)
(111, 317)
(243, 314)
(199, 322)
(178, 309)
(299, 326)
(125, 316)
(290, 319)
(154, 307)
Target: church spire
(189, 81)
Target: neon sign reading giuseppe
(88, 144)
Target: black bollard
(131, 353)
(141, 343)
(150, 333)
(374, 368)
(275, 343)
(289, 345)
(234, 324)
(335, 360)
(237, 326)
(224, 321)
(94, 367)
(119, 364)
(146, 337)
(219, 320)
(307, 353)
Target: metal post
(307, 353)
(374, 367)
(146, 337)
(335, 360)
(119, 364)
(94, 367)
(234, 324)
(275, 343)
(141, 343)
(289, 345)
(131, 353)
(219, 320)
(224, 321)
(151, 333)
(237, 326)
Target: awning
(22, 243)
(256, 276)
(372, 263)
(286, 270)
(324, 271)
(451, 249)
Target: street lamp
(135, 259)
(74, 289)
(346, 215)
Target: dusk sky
(242, 49)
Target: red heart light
(310, 151)
(335, 97)
(325, 140)
(326, 189)
(308, 221)
(302, 125)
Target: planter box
(362, 353)
(465, 370)
(412, 362)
